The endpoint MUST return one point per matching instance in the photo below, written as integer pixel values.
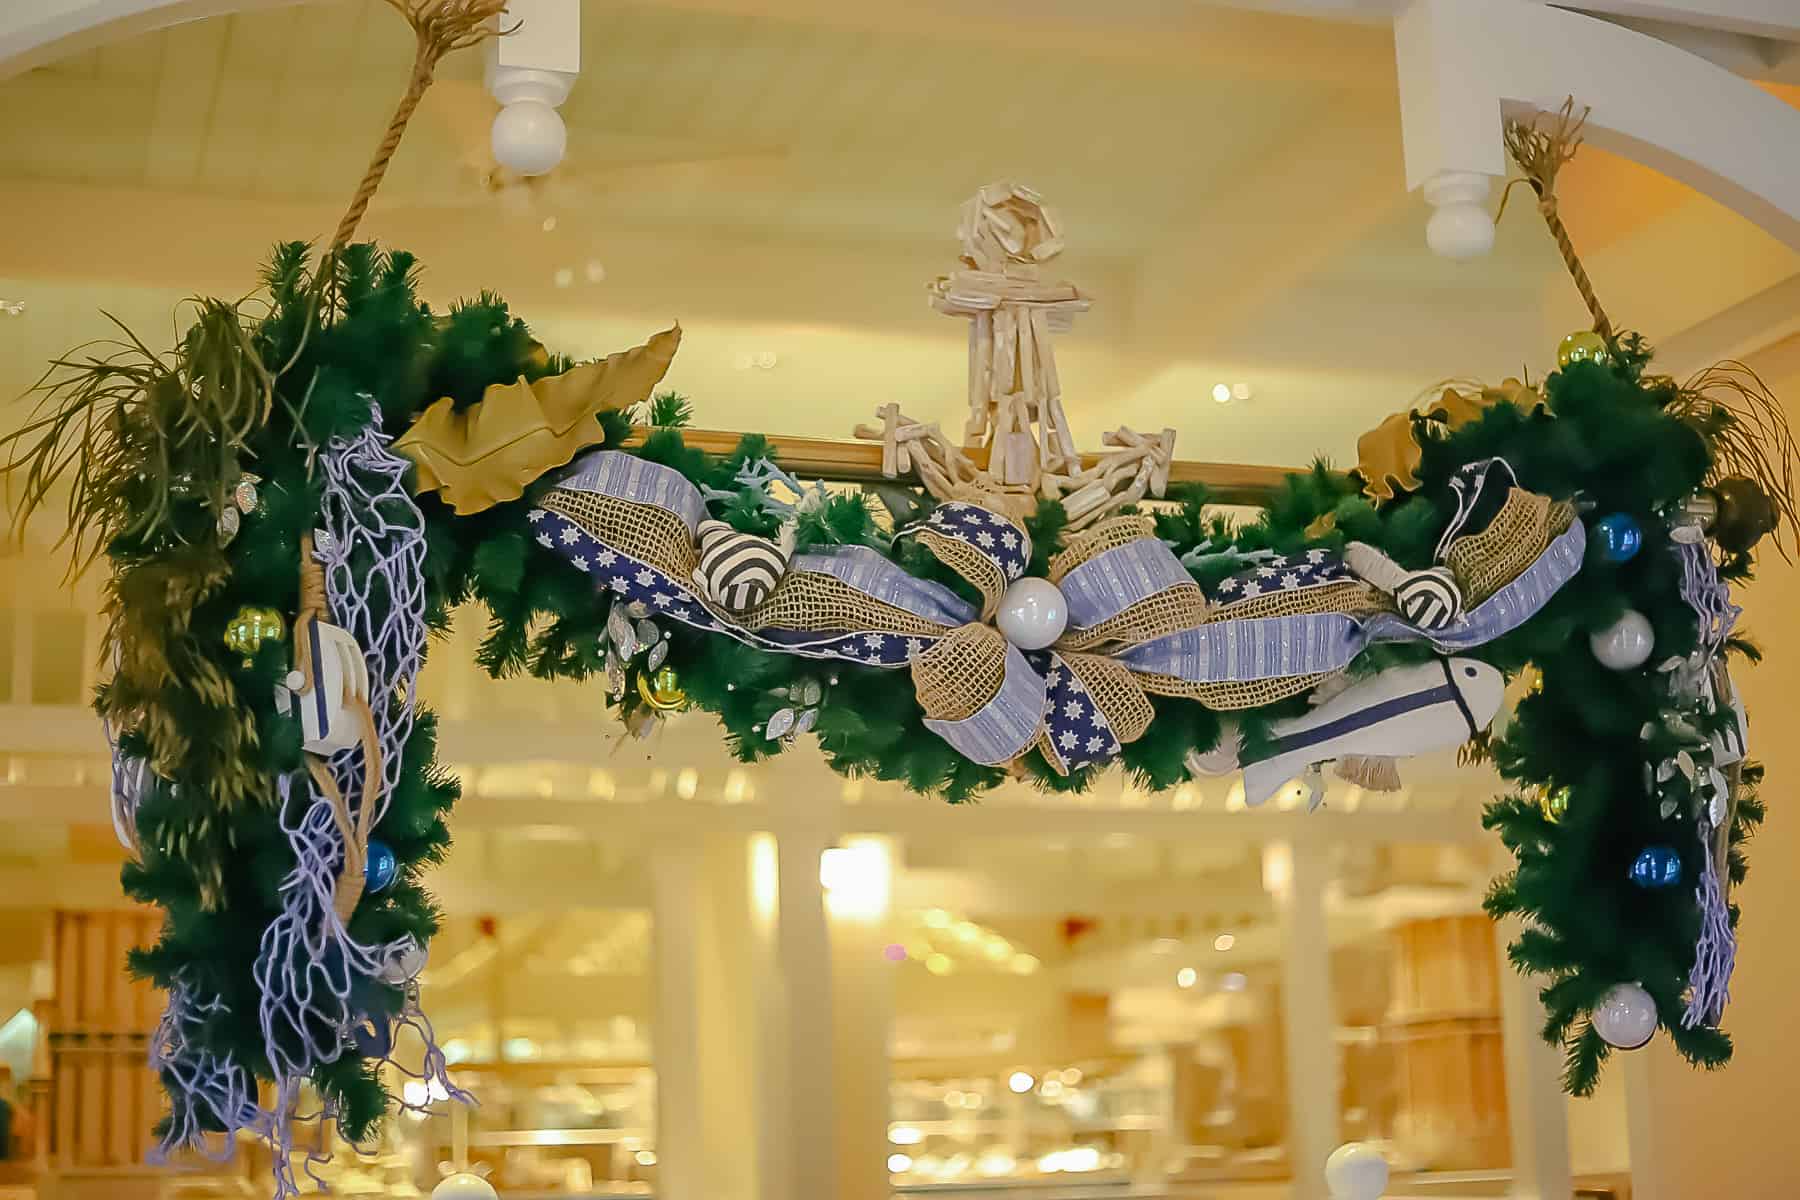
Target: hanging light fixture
(530, 70)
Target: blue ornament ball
(382, 867)
(1617, 537)
(1657, 867)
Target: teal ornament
(1656, 867)
(1616, 538)
(381, 868)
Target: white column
(804, 1040)
(1295, 874)
(1537, 1113)
(857, 880)
(706, 1022)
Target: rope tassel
(1542, 149)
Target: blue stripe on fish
(1362, 719)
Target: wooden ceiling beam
(842, 461)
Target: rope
(354, 828)
(1541, 149)
(441, 27)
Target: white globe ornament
(465, 1185)
(1460, 226)
(1033, 614)
(1356, 1171)
(1625, 644)
(1625, 1017)
(529, 137)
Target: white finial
(465, 1186)
(1356, 1171)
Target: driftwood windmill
(1015, 395)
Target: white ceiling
(784, 174)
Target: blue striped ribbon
(1318, 643)
(1006, 725)
(1109, 583)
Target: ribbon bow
(1138, 623)
(992, 700)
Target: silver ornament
(647, 633)
(324, 543)
(245, 494)
(806, 721)
(620, 633)
(1625, 644)
(659, 654)
(1625, 1016)
(402, 963)
(615, 676)
(638, 610)
(810, 692)
(229, 523)
(781, 723)
(1667, 809)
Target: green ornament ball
(1584, 345)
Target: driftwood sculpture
(1015, 395)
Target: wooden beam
(843, 461)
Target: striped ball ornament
(737, 571)
(1430, 598)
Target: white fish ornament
(340, 674)
(1399, 712)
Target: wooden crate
(97, 1026)
(1444, 1027)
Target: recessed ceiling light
(1223, 942)
(549, 225)
(1186, 977)
(1222, 393)
(1240, 391)
(564, 277)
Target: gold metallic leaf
(487, 453)
(1387, 457)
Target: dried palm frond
(134, 434)
(1743, 423)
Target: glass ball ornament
(529, 137)
(1616, 538)
(1356, 1171)
(1656, 867)
(250, 628)
(465, 1185)
(1625, 644)
(1584, 345)
(381, 867)
(1555, 804)
(1743, 514)
(1032, 614)
(661, 690)
(1625, 1016)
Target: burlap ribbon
(1139, 624)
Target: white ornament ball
(1626, 643)
(1460, 231)
(465, 1186)
(1626, 1016)
(1356, 1171)
(1033, 614)
(529, 137)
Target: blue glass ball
(382, 868)
(1656, 867)
(1617, 537)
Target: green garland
(167, 438)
